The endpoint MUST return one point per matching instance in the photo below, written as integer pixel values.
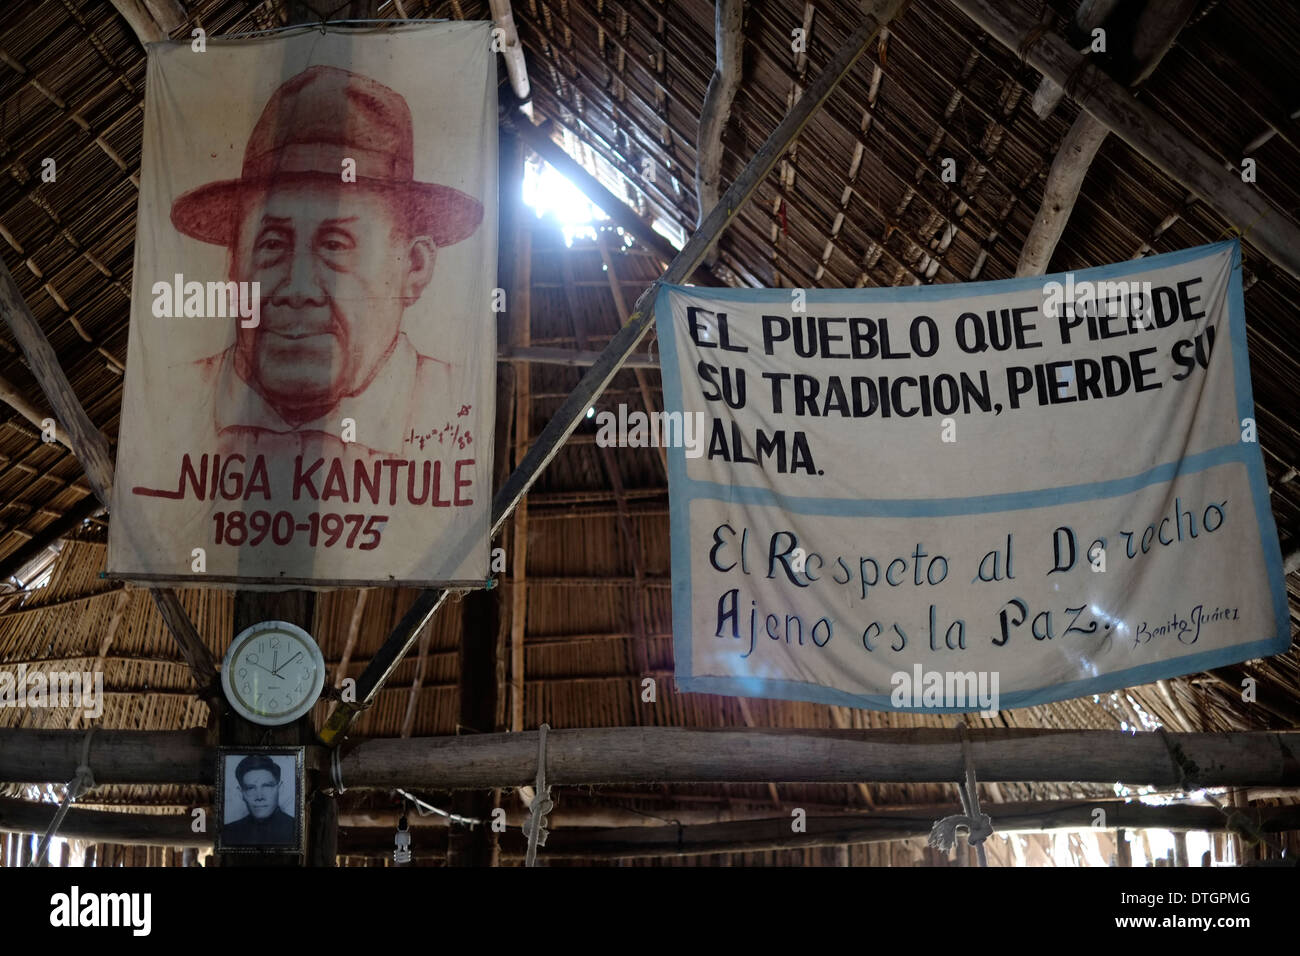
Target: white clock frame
(249, 634)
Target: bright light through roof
(549, 193)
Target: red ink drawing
(338, 264)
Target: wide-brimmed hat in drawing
(309, 126)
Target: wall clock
(272, 673)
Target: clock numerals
(272, 674)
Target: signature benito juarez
(1187, 628)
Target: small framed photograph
(260, 799)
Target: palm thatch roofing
(859, 202)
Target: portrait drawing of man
(327, 218)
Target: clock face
(273, 673)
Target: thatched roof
(627, 79)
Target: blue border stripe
(682, 490)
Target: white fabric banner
(966, 497)
(311, 369)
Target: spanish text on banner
(965, 497)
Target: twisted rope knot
(944, 832)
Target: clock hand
(287, 663)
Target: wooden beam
(363, 834)
(676, 755)
(1091, 14)
(1146, 131)
(574, 408)
(350, 641)
(539, 140)
(122, 756)
(106, 642)
(86, 441)
(650, 755)
(525, 355)
(56, 530)
(141, 20)
(16, 400)
(1060, 192)
(91, 449)
(202, 665)
(1154, 36)
(729, 42)
(503, 19)
(520, 336)
(620, 306)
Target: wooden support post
(574, 408)
(1180, 848)
(476, 693)
(1146, 131)
(296, 607)
(1123, 851)
(520, 312)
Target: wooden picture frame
(245, 825)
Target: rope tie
(541, 805)
(1238, 822)
(977, 824)
(336, 771)
(83, 781)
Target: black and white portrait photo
(260, 799)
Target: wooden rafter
(1146, 131)
(1154, 36)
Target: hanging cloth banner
(311, 368)
(968, 497)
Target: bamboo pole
(1266, 227)
(875, 14)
